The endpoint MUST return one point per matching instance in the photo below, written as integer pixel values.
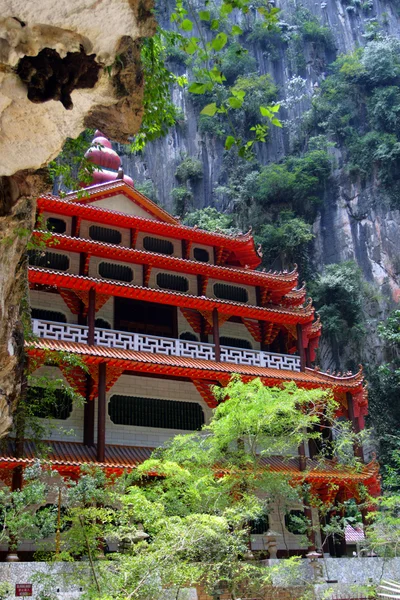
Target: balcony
(138, 342)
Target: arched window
(48, 260)
(103, 234)
(176, 283)
(153, 412)
(57, 405)
(117, 272)
(235, 342)
(230, 292)
(296, 522)
(102, 324)
(189, 336)
(48, 315)
(158, 245)
(56, 225)
(201, 254)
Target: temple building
(159, 312)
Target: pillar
(217, 347)
(101, 416)
(300, 347)
(358, 451)
(88, 415)
(91, 316)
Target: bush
(182, 198)
(147, 188)
(337, 296)
(313, 32)
(299, 182)
(210, 219)
(384, 109)
(189, 169)
(237, 61)
(381, 61)
(269, 39)
(286, 242)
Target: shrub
(182, 198)
(269, 39)
(210, 219)
(381, 61)
(147, 188)
(285, 242)
(237, 61)
(384, 109)
(299, 182)
(189, 169)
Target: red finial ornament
(103, 156)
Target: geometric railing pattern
(162, 345)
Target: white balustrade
(60, 331)
(160, 345)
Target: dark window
(57, 404)
(235, 342)
(296, 522)
(153, 412)
(230, 292)
(118, 272)
(49, 260)
(172, 282)
(157, 245)
(189, 336)
(48, 315)
(102, 234)
(145, 317)
(260, 525)
(201, 254)
(56, 225)
(102, 324)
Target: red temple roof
(242, 247)
(273, 314)
(281, 283)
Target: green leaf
(276, 122)
(236, 30)
(197, 88)
(226, 9)
(191, 47)
(275, 108)
(235, 102)
(230, 140)
(219, 41)
(187, 25)
(214, 24)
(209, 110)
(265, 112)
(238, 93)
(204, 15)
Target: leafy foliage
(210, 219)
(190, 169)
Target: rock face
(58, 56)
(63, 67)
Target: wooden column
(88, 415)
(91, 316)
(358, 451)
(300, 348)
(307, 509)
(101, 414)
(217, 348)
(308, 358)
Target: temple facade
(159, 313)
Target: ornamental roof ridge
(307, 311)
(348, 376)
(176, 226)
(248, 272)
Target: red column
(358, 451)
(217, 347)
(91, 315)
(88, 415)
(300, 347)
(101, 415)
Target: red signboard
(23, 589)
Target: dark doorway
(145, 317)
